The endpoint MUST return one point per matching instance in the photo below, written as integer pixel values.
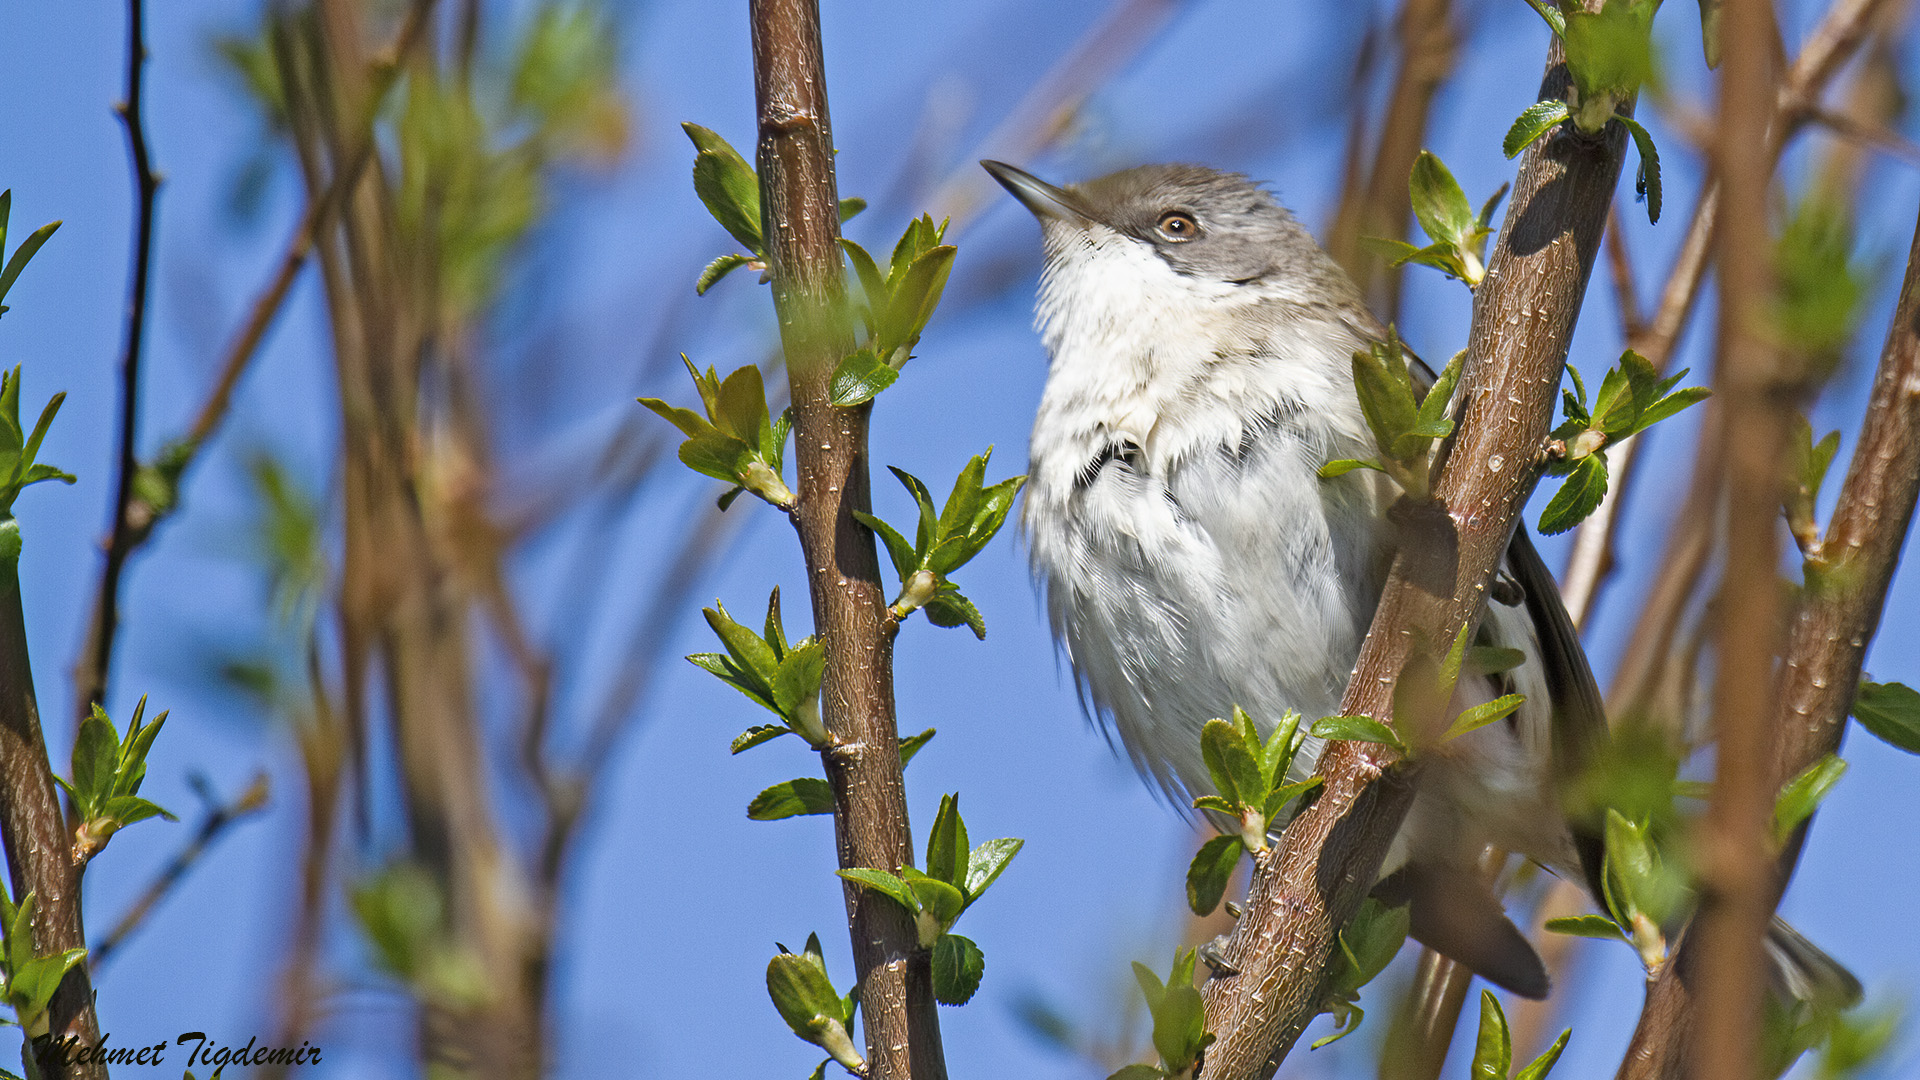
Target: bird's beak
(1044, 199)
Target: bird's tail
(1799, 970)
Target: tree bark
(1524, 314)
(801, 222)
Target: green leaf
(729, 672)
(927, 533)
(1439, 204)
(1577, 497)
(937, 898)
(987, 862)
(717, 269)
(1368, 944)
(947, 846)
(1803, 794)
(1138, 1072)
(801, 797)
(1433, 408)
(23, 255)
(958, 965)
(1385, 390)
(1285, 793)
(690, 423)
(949, 608)
(1587, 926)
(1396, 252)
(1542, 1065)
(746, 647)
(1343, 466)
(911, 744)
(1150, 985)
(1539, 118)
(1357, 729)
(798, 677)
(1493, 1050)
(1235, 772)
(726, 183)
(850, 208)
(1671, 404)
(1277, 753)
(1608, 52)
(884, 883)
(743, 406)
(756, 735)
(905, 559)
(1556, 21)
(1649, 182)
(127, 809)
(719, 456)
(1179, 1027)
(1891, 711)
(1481, 715)
(1492, 660)
(858, 378)
(1208, 874)
(801, 991)
(95, 753)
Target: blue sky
(676, 899)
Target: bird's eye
(1178, 226)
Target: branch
(1329, 856)
(219, 817)
(1827, 640)
(799, 204)
(135, 513)
(146, 186)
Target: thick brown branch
(1827, 639)
(1524, 314)
(39, 844)
(799, 200)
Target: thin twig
(219, 817)
(134, 518)
(146, 188)
(1877, 136)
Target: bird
(1193, 559)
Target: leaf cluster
(731, 191)
(1250, 776)
(1423, 689)
(1609, 55)
(1632, 398)
(807, 1001)
(1642, 891)
(956, 876)
(1367, 945)
(738, 440)
(107, 773)
(28, 981)
(1179, 1021)
(1493, 1049)
(944, 541)
(781, 677)
(898, 302)
(1458, 234)
(1405, 427)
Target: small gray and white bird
(1193, 559)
